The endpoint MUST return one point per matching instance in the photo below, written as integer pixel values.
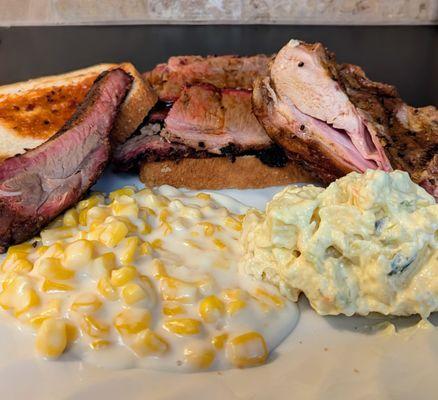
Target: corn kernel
(127, 250)
(167, 229)
(72, 332)
(132, 293)
(149, 211)
(145, 248)
(78, 254)
(16, 262)
(211, 309)
(144, 228)
(123, 275)
(208, 227)
(219, 244)
(113, 233)
(99, 344)
(247, 350)
(157, 244)
(92, 201)
(170, 309)
(132, 228)
(207, 286)
(232, 223)
(86, 302)
(269, 298)
(148, 342)
(132, 321)
(125, 209)
(204, 196)
(52, 268)
(191, 212)
(106, 290)
(51, 339)
(126, 191)
(234, 306)
(71, 218)
(19, 296)
(234, 294)
(219, 341)
(159, 269)
(199, 358)
(82, 218)
(103, 265)
(183, 326)
(96, 216)
(50, 236)
(175, 290)
(51, 309)
(94, 232)
(50, 286)
(164, 215)
(40, 251)
(93, 327)
(56, 250)
(192, 244)
(23, 248)
(9, 279)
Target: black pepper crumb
(201, 145)
(300, 64)
(302, 127)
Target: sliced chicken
(335, 120)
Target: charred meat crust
(37, 186)
(228, 71)
(142, 148)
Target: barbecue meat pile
(204, 110)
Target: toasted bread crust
(32, 111)
(221, 173)
(137, 104)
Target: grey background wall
(53, 12)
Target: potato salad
(367, 243)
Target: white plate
(323, 358)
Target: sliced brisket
(37, 186)
(334, 120)
(149, 146)
(206, 118)
(221, 71)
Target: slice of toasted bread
(221, 173)
(34, 110)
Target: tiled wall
(35, 12)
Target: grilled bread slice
(32, 111)
(244, 172)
